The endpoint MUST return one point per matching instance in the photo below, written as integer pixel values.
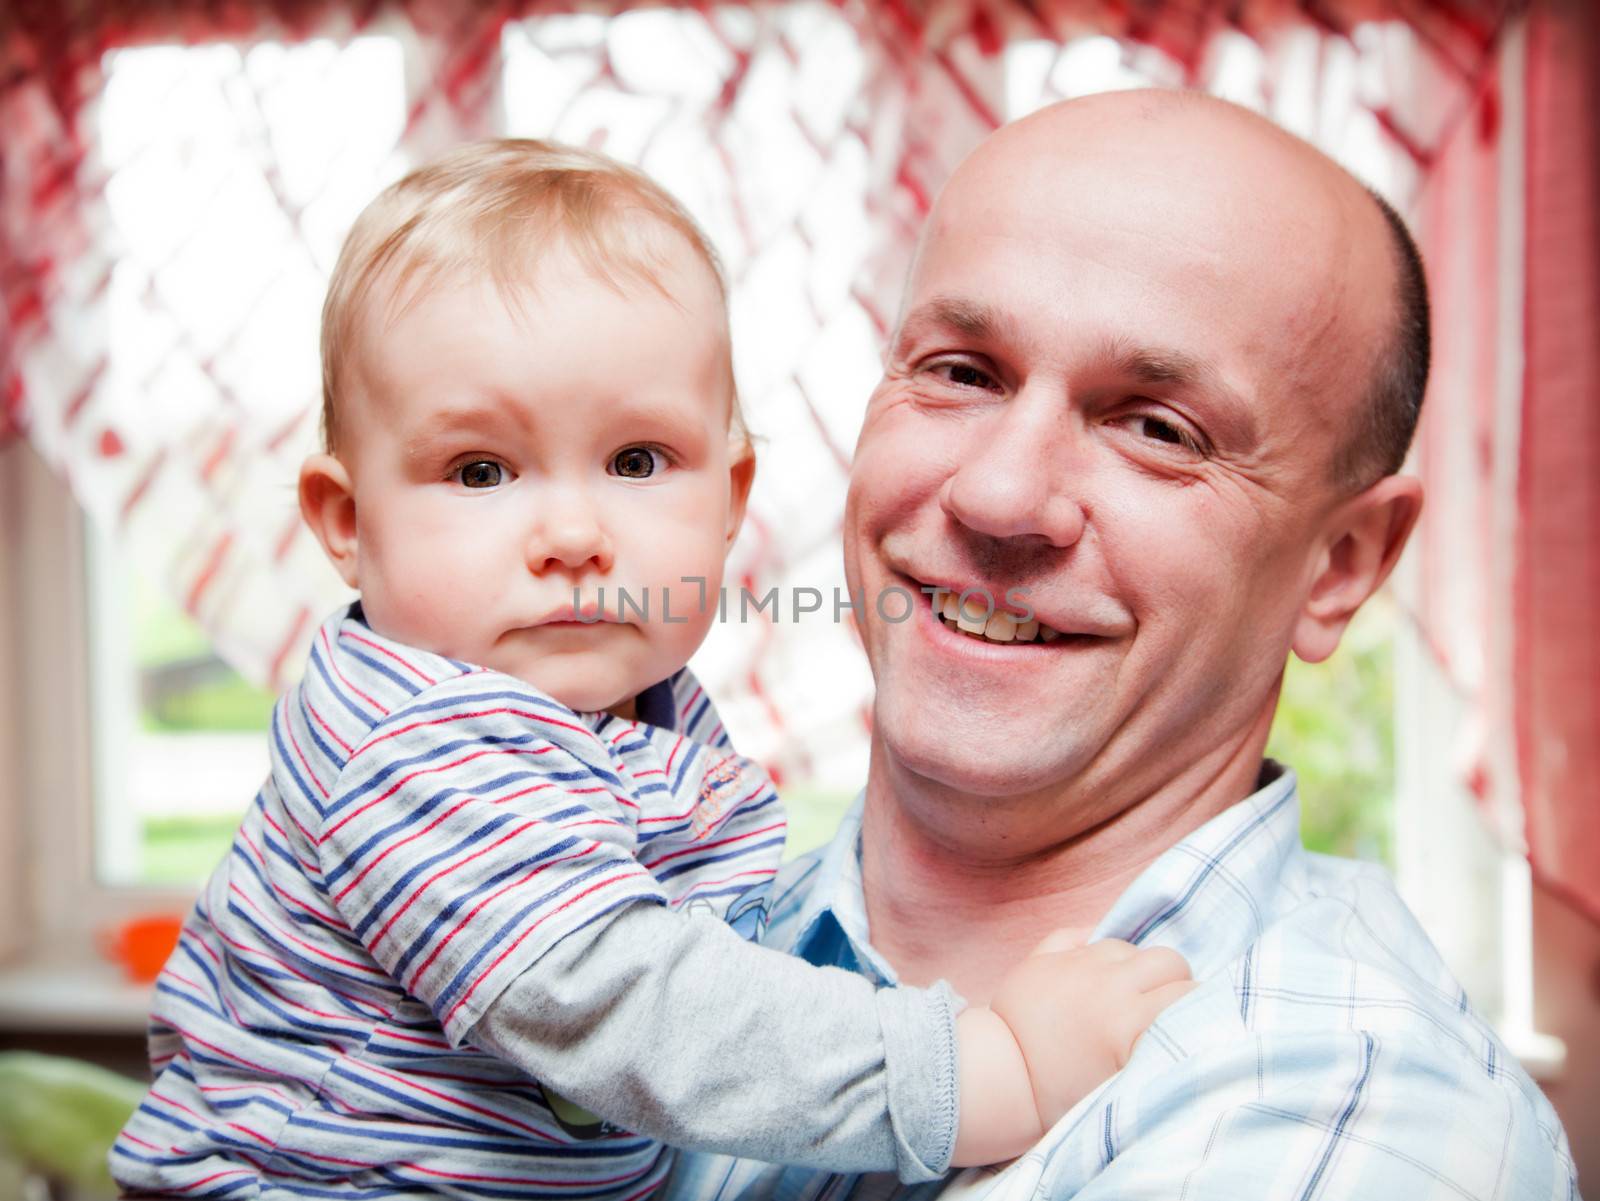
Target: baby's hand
(1077, 1011)
(1062, 1021)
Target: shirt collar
(822, 915)
(657, 705)
(1207, 896)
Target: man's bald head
(1364, 246)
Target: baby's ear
(328, 504)
(741, 474)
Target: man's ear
(741, 474)
(328, 504)
(1364, 538)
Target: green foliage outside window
(185, 689)
(183, 686)
(1335, 727)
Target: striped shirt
(428, 831)
(1328, 1054)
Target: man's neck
(966, 909)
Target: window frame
(68, 909)
(56, 972)
(13, 891)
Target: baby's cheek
(417, 616)
(692, 604)
(434, 597)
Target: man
(1157, 364)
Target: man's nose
(1018, 476)
(567, 534)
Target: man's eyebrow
(973, 320)
(1151, 365)
(1165, 367)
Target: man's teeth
(972, 616)
(997, 627)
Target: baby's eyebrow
(466, 416)
(456, 419)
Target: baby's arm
(480, 842)
(673, 1026)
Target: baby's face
(507, 459)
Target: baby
(498, 879)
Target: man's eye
(965, 375)
(1164, 431)
(636, 462)
(1154, 427)
(480, 473)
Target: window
(233, 172)
(231, 175)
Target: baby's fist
(1076, 1013)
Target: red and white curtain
(1556, 669)
(1509, 548)
(809, 137)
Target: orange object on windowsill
(142, 944)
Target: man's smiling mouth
(995, 627)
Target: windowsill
(79, 997)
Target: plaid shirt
(1327, 1054)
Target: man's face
(1124, 363)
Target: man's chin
(969, 757)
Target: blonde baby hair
(490, 207)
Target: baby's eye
(637, 462)
(480, 473)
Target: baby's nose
(568, 535)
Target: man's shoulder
(1339, 1025)
(1340, 959)
(1340, 928)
